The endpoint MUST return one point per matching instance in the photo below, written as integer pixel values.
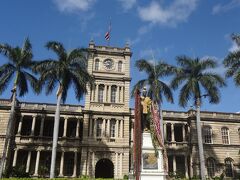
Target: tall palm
(232, 62)
(157, 88)
(18, 67)
(69, 69)
(196, 81)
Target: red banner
(137, 146)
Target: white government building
(96, 140)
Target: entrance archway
(104, 169)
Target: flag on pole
(107, 34)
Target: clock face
(108, 64)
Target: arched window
(211, 167)
(207, 133)
(225, 135)
(120, 66)
(228, 167)
(96, 64)
(100, 93)
(113, 94)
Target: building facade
(96, 140)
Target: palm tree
(18, 67)
(157, 88)
(196, 82)
(232, 62)
(69, 69)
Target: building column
(33, 125)
(75, 165)
(92, 92)
(15, 158)
(121, 128)
(132, 133)
(116, 165)
(93, 163)
(65, 127)
(165, 132)
(184, 133)
(61, 164)
(42, 125)
(95, 128)
(105, 94)
(109, 93)
(108, 127)
(116, 130)
(122, 94)
(28, 161)
(37, 163)
(121, 162)
(174, 164)
(186, 167)
(77, 128)
(96, 93)
(117, 95)
(172, 132)
(103, 128)
(90, 126)
(20, 125)
(191, 166)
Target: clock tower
(107, 113)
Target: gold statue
(146, 103)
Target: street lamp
(199, 134)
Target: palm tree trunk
(161, 121)
(200, 143)
(9, 132)
(55, 133)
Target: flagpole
(110, 29)
(108, 33)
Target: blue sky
(164, 28)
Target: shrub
(19, 171)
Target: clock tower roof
(109, 50)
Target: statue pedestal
(152, 166)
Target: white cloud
(127, 4)
(234, 47)
(175, 13)
(74, 5)
(225, 7)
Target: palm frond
(236, 78)
(178, 79)
(184, 61)
(77, 55)
(4, 69)
(185, 94)
(144, 65)
(7, 51)
(207, 63)
(163, 69)
(5, 80)
(58, 48)
(236, 38)
(139, 85)
(213, 78)
(33, 82)
(45, 65)
(164, 88)
(26, 54)
(66, 82)
(22, 83)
